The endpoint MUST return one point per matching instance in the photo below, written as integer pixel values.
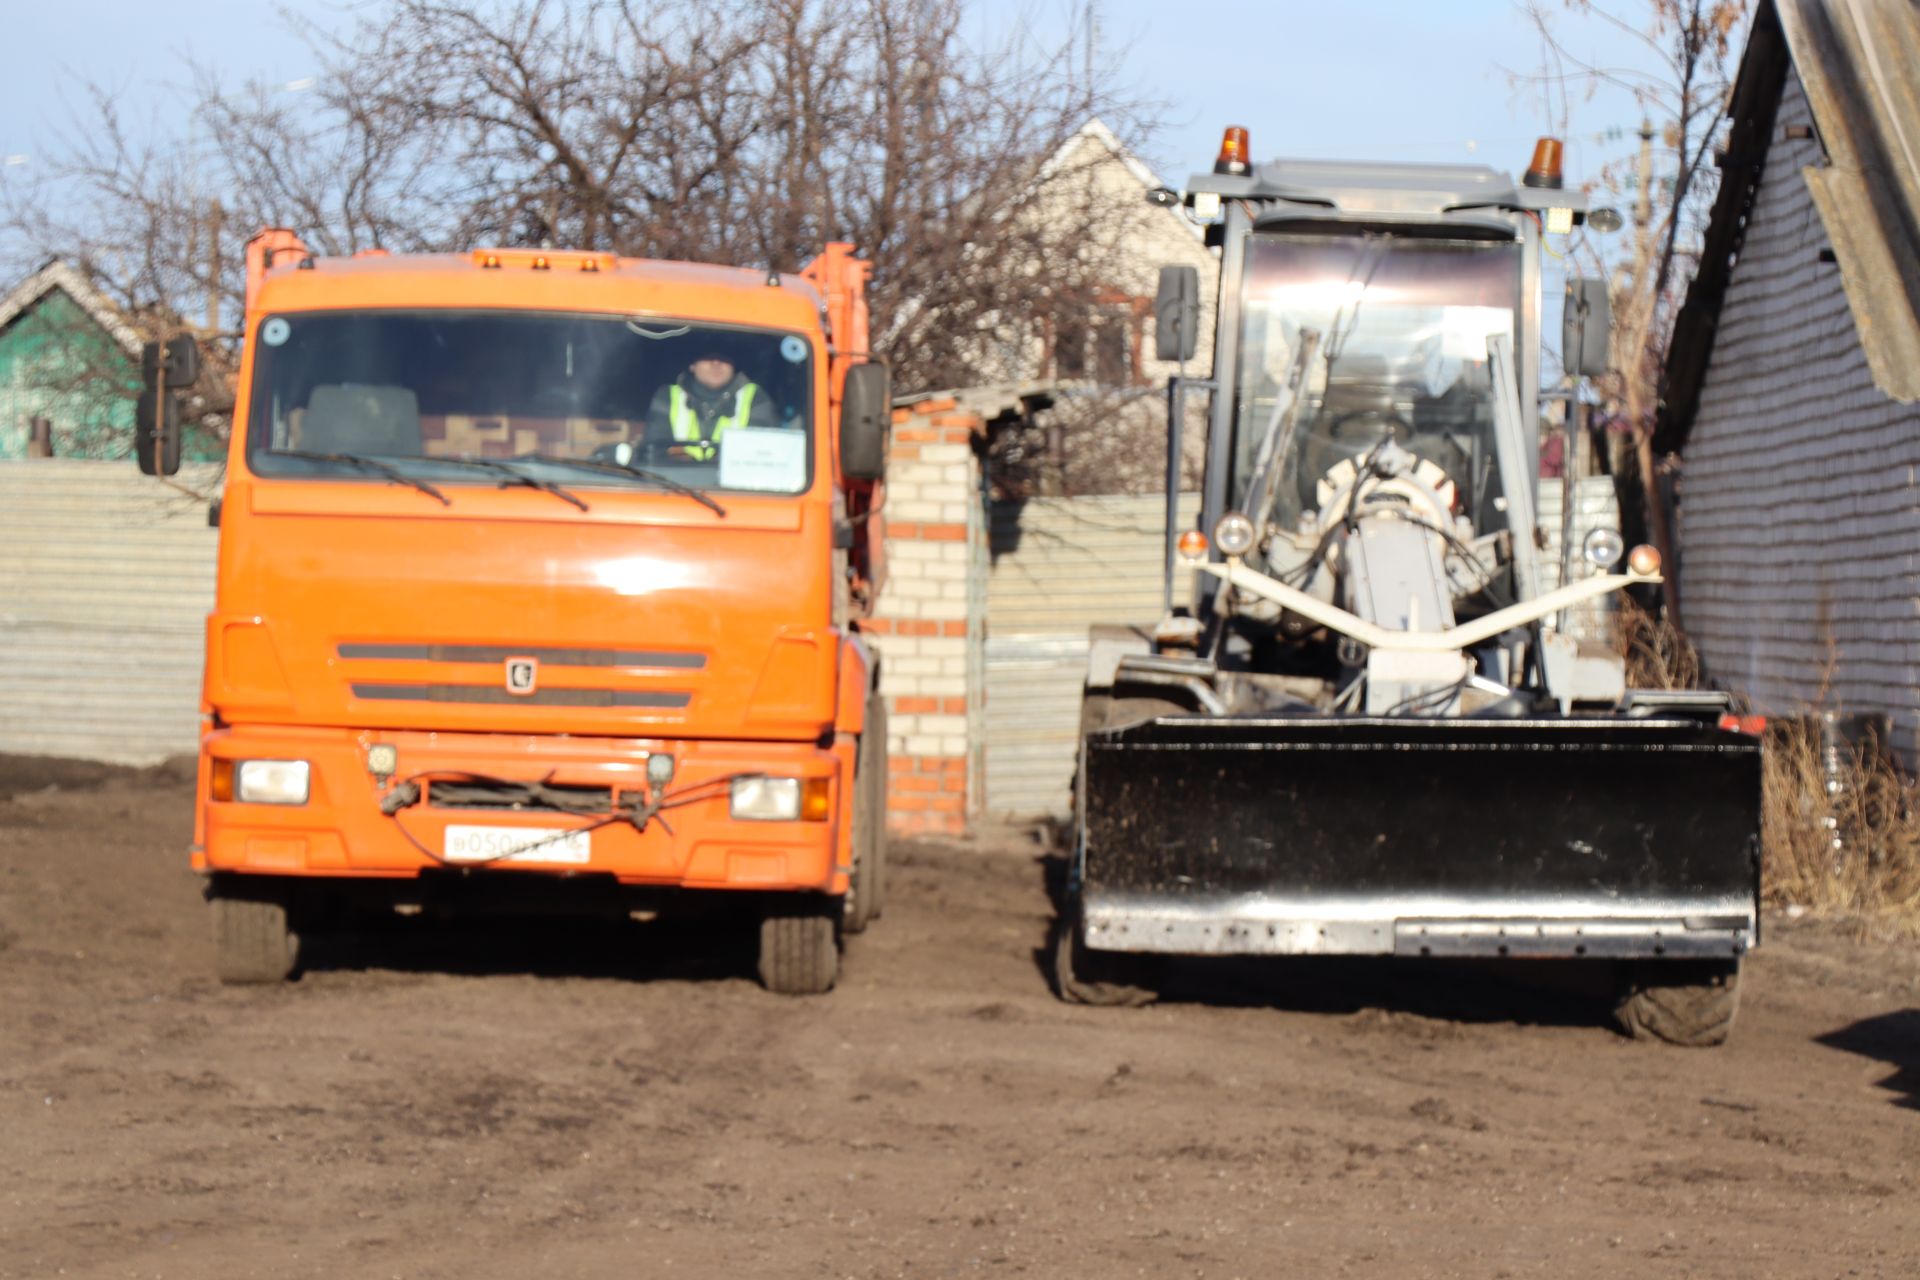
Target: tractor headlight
(1234, 534)
(1603, 548)
(271, 781)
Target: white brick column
(930, 625)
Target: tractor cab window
(572, 399)
(1403, 326)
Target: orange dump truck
(539, 585)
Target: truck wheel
(253, 940)
(1084, 976)
(868, 892)
(799, 950)
(1690, 1003)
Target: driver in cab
(690, 414)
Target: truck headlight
(764, 799)
(271, 781)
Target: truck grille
(497, 695)
(548, 656)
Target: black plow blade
(1554, 837)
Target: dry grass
(1658, 655)
(1843, 843)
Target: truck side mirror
(156, 433)
(1586, 328)
(179, 358)
(866, 413)
(1176, 314)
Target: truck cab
(540, 581)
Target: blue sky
(1423, 80)
(1363, 79)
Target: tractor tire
(253, 940)
(799, 950)
(1688, 1003)
(867, 895)
(1084, 976)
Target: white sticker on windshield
(1464, 330)
(772, 460)
(794, 348)
(275, 331)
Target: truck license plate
(518, 844)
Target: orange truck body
(348, 607)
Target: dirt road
(534, 1100)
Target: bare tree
(1680, 83)
(745, 132)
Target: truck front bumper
(342, 831)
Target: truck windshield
(1403, 326)
(541, 394)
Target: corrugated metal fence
(106, 578)
(1059, 565)
(1062, 564)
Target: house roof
(1855, 60)
(1097, 132)
(59, 275)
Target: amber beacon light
(1545, 169)
(1233, 152)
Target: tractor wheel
(866, 896)
(1689, 1003)
(253, 939)
(1084, 976)
(799, 949)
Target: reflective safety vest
(686, 423)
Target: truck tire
(1084, 976)
(1690, 1003)
(253, 940)
(867, 892)
(799, 949)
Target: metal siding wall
(106, 578)
(1799, 526)
(1059, 565)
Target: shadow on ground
(700, 950)
(1892, 1038)
(1540, 993)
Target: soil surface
(513, 1099)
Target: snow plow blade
(1603, 837)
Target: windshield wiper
(660, 478)
(515, 476)
(393, 474)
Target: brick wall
(930, 627)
